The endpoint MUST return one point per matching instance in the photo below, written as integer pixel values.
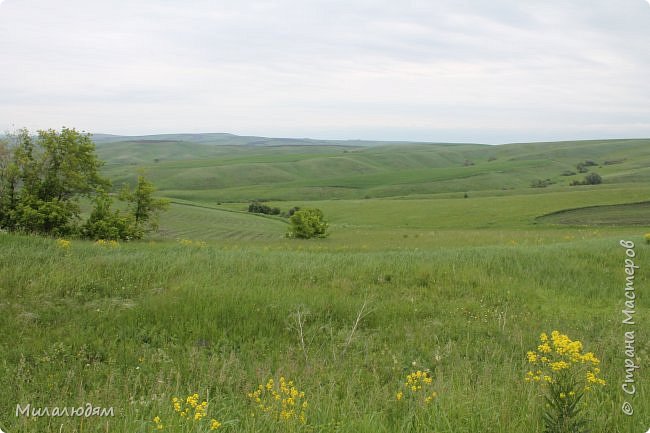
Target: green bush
(307, 223)
(105, 223)
(257, 207)
(590, 179)
(593, 179)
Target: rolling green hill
(209, 173)
(368, 188)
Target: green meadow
(441, 258)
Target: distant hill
(225, 139)
(210, 168)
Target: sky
(422, 70)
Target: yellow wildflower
(63, 244)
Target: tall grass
(131, 327)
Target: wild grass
(136, 325)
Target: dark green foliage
(582, 166)
(293, 210)
(42, 178)
(568, 173)
(539, 183)
(105, 223)
(257, 207)
(563, 412)
(307, 223)
(593, 179)
(142, 205)
(590, 179)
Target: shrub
(539, 183)
(590, 179)
(257, 207)
(105, 223)
(307, 223)
(593, 179)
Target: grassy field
(414, 277)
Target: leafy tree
(142, 205)
(307, 223)
(42, 178)
(9, 178)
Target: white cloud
(449, 70)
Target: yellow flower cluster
(647, 238)
(63, 244)
(104, 243)
(418, 386)
(281, 401)
(559, 354)
(189, 409)
(189, 243)
(192, 408)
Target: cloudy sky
(431, 70)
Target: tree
(43, 177)
(142, 205)
(307, 223)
